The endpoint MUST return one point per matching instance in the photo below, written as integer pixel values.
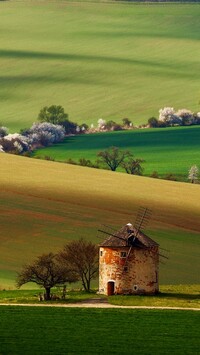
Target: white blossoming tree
(18, 147)
(193, 174)
(166, 112)
(168, 116)
(45, 133)
(186, 116)
(14, 143)
(101, 124)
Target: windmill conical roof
(122, 237)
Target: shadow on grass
(180, 296)
(171, 68)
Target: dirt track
(94, 305)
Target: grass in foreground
(95, 331)
(165, 150)
(97, 59)
(186, 296)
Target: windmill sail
(142, 219)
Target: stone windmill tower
(129, 260)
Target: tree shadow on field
(181, 296)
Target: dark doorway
(110, 288)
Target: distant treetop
(52, 114)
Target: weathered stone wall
(140, 275)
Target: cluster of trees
(56, 115)
(44, 134)
(169, 117)
(52, 127)
(40, 134)
(111, 125)
(112, 158)
(78, 261)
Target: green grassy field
(44, 204)
(74, 295)
(168, 150)
(109, 60)
(185, 296)
(97, 331)
(170, 296)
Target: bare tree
(193, 174)
(113, 157)
(82, 257)
(133, 166)
(47, 271)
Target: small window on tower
(101, 253)
(123, 254)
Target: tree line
(54, 125)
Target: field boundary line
(98, 305)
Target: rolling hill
(165, 150)
(97, 59)
(44, 204)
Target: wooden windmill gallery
(129, 260)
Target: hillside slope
(44, 204)
(110, 60)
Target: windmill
(132, 235)
(129, 259)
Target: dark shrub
(170, 176)
(153, 122)
(154, 175)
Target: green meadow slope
(165, 150)
(44, 204)
(109, 60)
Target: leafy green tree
(52, 114)
(82, 257)
(133, 166)
(113, 157)
(56, 115)
(47, 271)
